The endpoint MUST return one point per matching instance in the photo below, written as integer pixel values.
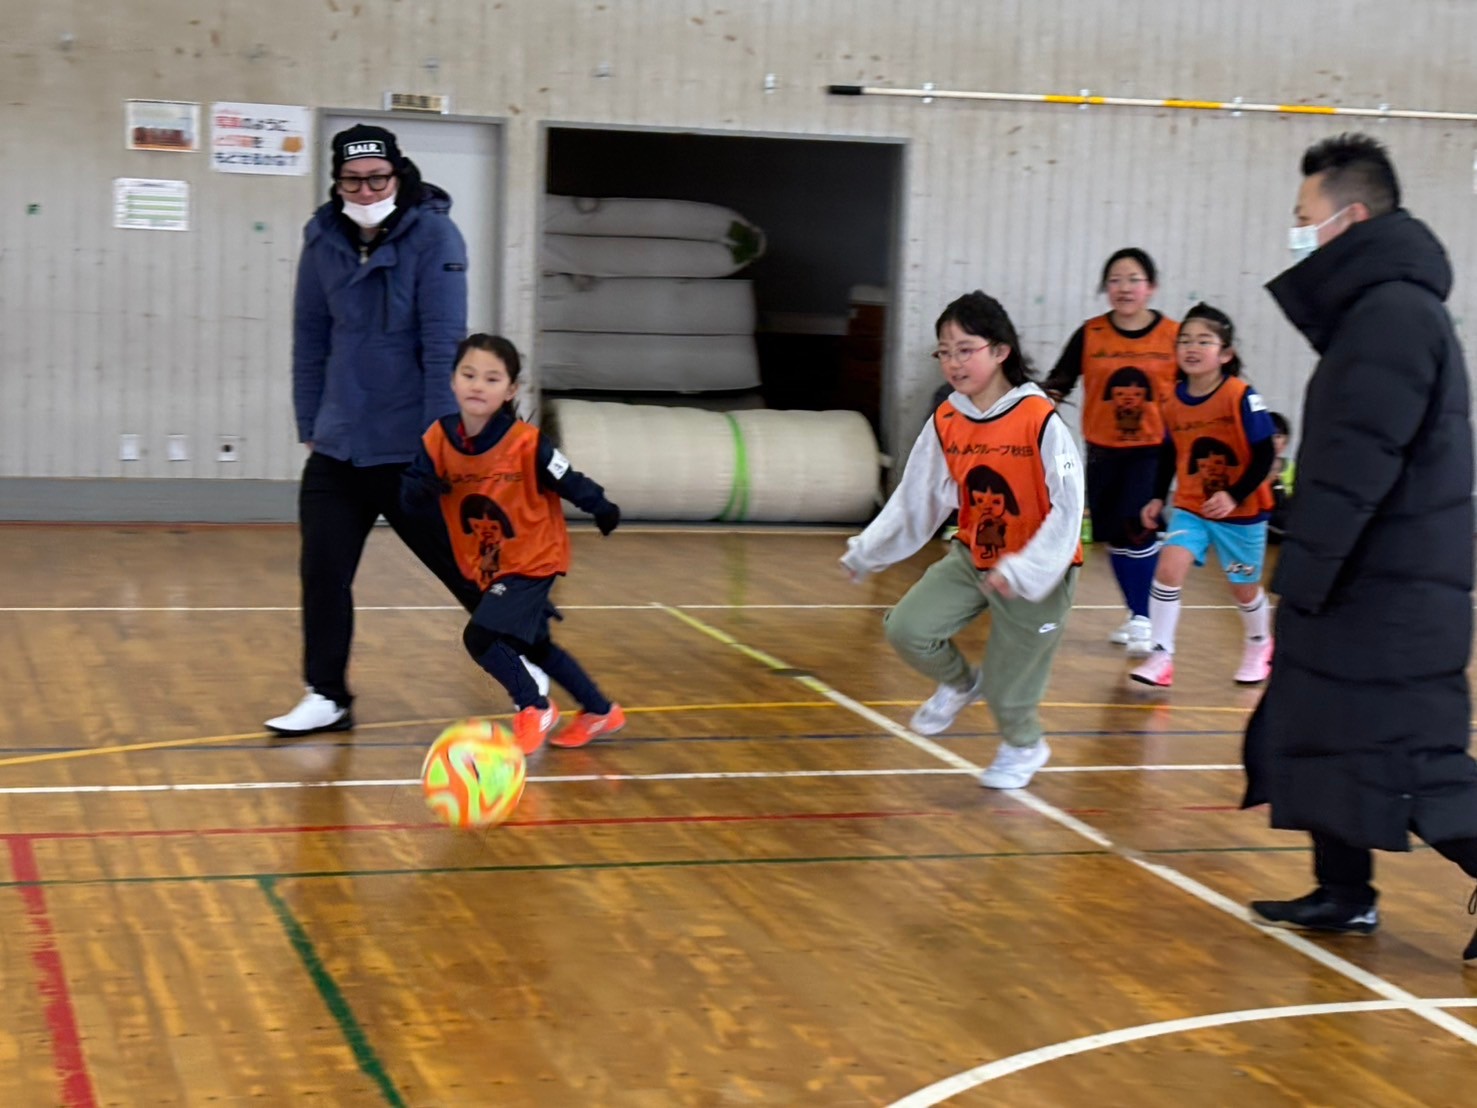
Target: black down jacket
(1363, 731)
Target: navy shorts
(517, 608)
(1119, 483)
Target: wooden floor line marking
(1004, 1067)
(1204, 893)
(344, 742)
(61, 1017)
(182, 609)
(584, 778)
(551, 867)
(432, 826)
(277, 741)
(333, 997)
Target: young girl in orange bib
(499, 482)
(996, 451)
(1218, 439)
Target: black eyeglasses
(375, 182)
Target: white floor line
(1004, 1067)
(1373, 982)
(293, 608)
(573, 778)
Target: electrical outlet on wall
(128, 448)
(179, 448)
(229, 449)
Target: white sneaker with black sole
(1014, 766)
(314, 713)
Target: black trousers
(338, 505)
(1344, 871)
(1119, 484)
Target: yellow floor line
(650, 709)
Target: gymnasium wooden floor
(766, 891)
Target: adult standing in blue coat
(1361, 738)
(381, 304)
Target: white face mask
(370, 215)
(1302, 241)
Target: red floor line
(593, 821)
(61, 1017)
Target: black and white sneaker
(1318, 912)
(314, 713)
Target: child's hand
(995, 584)
(855, 576)
(1150, 516)
(1218, 506)
(608, 520)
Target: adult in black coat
(1362, 735)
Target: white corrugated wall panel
(105, 331)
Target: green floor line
(332, 995)
(552, 867)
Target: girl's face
(970, 364)
(481, 386)
(1200, 351)
(1128, 287)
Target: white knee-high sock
(1256, 617)
(1164, 614)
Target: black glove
(608, 519)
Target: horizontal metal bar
(1084, 100)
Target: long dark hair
(978, 314)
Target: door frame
(894, 347)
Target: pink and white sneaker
(1256, 663)
(1157, 670)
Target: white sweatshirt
(928, 493)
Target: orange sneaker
(587, 726)
(532, 725)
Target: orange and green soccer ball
(473, 774)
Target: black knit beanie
(363, 140)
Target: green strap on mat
(738, 496)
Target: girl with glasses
(996, 451)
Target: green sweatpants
(1023, 639)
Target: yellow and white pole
(1084, 100)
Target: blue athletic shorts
(1241, 547)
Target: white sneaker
(313, 713)
(539, 676)
(1140, 635)
(1014, 766)
(1121, 636)
(1256, 663)
(941, 709)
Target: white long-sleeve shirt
(927, 494)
